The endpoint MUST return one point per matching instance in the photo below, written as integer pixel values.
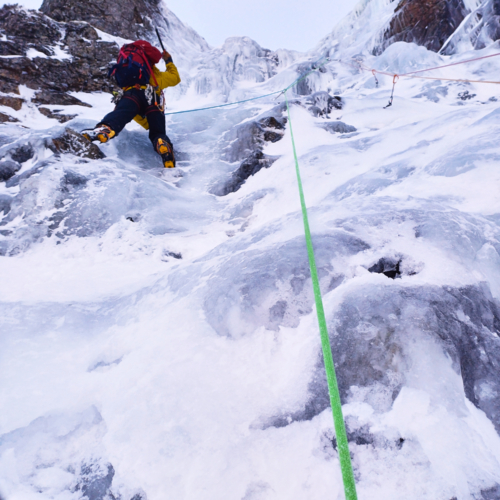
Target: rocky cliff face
(424, 22)
(480, 29)
(51, 57)
(128, 18)
(66, 47)
(444, 26)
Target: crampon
(101, 133)
(166, 151)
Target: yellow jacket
(168, 78)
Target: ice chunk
(269, 288)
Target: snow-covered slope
(159, 341)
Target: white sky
(274, 24)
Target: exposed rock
(8, 169)
(7, 118)
(5, 201)
(56, 97)
(337, 127)
(424, 22)
(246, 143)
(75, 143)
(466, 95)
(387, 266)
(464, 321)
(250, 137)
(55, 114)
(480, 29)
(273, 128)
(168, 253)
(323, 103)
(96, 481)
(12, 102)
(127, 18)
(22, 153)
(255, 162)
(62, 56)
(491, 493)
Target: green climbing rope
(338, 418)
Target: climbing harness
(150, 94)
(336, 405)
(117, 95)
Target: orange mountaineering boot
(101, 133)
(166, 150)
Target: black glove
(166, 57)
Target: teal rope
(252, 98)
(223, 105)
(327, 60)
(338, 418)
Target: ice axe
(159, 38)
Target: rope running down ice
(336, 405)
(333, 389)
(335, 402)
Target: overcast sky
(274, 24)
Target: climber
(142, 84)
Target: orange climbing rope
(413, 74)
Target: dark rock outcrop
(481, 28)
(8, 169)
(62, 56)
(465, 322)
(5, 201)
(95, 481)
(322, 103)
(246, 139)
(253, 164)
(246, 143)
(56, 114)
(388, 266)
(128, 18)
(56, 97)
(5, 118)
(424, 22)
(338, 127)
(12, 102)
(73, 142)
(22, 153)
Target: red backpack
(134, 64)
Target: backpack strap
(145, 57)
